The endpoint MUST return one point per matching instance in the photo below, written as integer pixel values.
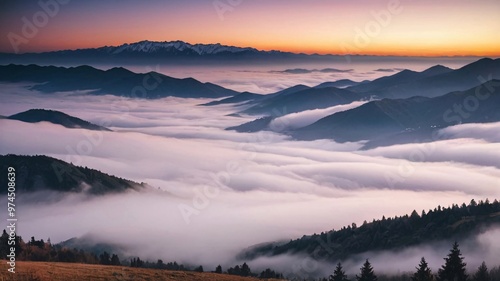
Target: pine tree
(218, 269)
(115, 260)
(140, 263)
(136, 262)
(234, 271)
(482, 273)
(454, 267)
(199, 269)
(423, 272)
(367, 273)
(160, 264)
(414, 215)
(104, 258)
(338, 274)
(245, 270)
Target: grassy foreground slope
(52, 271)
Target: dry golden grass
(52, 271)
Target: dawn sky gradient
(404, 27)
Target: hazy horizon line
(311, 53)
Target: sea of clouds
(215, 192)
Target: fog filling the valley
(215, 192)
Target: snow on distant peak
(154, 47)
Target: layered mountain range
(405, 107)
(408, 106)
(115, 81)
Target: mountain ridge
(44, 173)
(147, 46)
(432, 82)
(150, 52)
(438, 224)
(115, 81)
(382, 119)
(299, 98)
(55, 117)
(174, 52)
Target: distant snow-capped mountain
(151, 52)
(177, 46)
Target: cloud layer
(217, 192)
(307, 117)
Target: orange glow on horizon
(335, 46)
(334, 49)
(395, 51)
(420, 28)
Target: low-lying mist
(307, 117)
(475, 250)
(216, 192)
